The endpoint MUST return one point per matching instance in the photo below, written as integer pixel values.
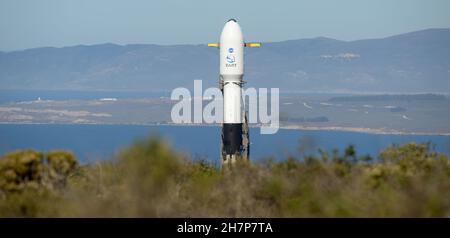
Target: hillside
(407, 63)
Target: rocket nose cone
(231, 31)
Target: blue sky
(32, 23)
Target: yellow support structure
(213, 45)
(253, 44)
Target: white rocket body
(232, 70)
(235, 135)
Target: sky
(32, 23)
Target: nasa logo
(231, 50)
(230, 59)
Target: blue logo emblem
(230, 59)
(231, 50)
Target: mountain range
(407, 63)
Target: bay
(98, 142)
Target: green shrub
(20, 170)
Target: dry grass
(149, 179)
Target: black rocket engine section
(232, 138)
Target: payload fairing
(235, 134)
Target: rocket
(235, 144)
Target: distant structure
(108, 99)
(235, 133)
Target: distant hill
(408, 63)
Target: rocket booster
(231, 73)
(235, 139)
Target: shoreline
(376, 131)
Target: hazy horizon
(32, 24)
(204, 43)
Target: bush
(20, 170)
(30, 181)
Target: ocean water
(98, 142)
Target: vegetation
(149, 179)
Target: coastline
(379, 131)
